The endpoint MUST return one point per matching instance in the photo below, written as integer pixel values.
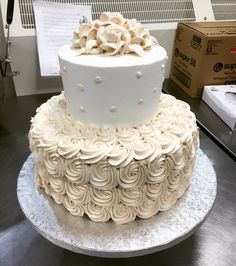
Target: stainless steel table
(213, 244)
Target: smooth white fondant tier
(112, 90)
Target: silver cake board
(140, 237)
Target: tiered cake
(111, 146)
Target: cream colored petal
(76, 44)
(117, 20)
(144, 34)
(83, 29)
(132, 33)
(118, 48)
(81, 51)
(108, 47)
(148, 43)
(126, 24)
(89, 45)
(139, 29)
(107, 23)
(105, 16)
(96, 23)
(117, 28)
(92, 34)
(133, 21)
(100, 35)
(136, 49)
(126, 37)
(76, 34)
(125, 49)
(96, 51)
(154, 40)
(111, 36)
(137, 40)
(82, 42)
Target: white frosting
(104, 176)
(148, 208)
(114, 173)
(57, 197)
(72, 207)
(168, 200)
(79, 194)
(97, 213)
(57, 184)
(133, 175)
(154, 191)
(132, 197)
(54, 164)
(121, 213)
(104, 198)
(113, 86)
(76, 171)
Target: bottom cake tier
(114, 173)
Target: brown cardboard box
(204, 54)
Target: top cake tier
(118, 84)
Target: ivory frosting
(112, 34)
(117, 173)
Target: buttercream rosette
(112, 34)
(114, 173)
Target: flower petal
(136, 49)
(89, 45)
(83, 29)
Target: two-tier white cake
(112, 146)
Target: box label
(190, 60)
(228, 67)
(213, 47)
(184, 79)
(196, 42)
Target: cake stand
(140, 237)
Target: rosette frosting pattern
(112, 34)
(114, 173)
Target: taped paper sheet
(55, 23)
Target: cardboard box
(204, 54)
(222, 100)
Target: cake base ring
(140, 237)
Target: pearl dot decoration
(80, 86)
(140, 101)
(155, 90)
(98, 79)
(64, 69)
(113, 109)
(82, 109)
(163, 68)
(139, 75)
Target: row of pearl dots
(98, 80)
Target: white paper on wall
(55, 24)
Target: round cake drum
(108, 239)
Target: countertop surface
(213, 244)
